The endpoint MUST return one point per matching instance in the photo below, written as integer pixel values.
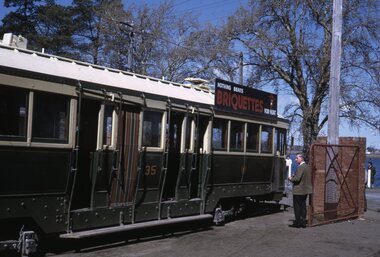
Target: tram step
(169, 201)
(130, 227)
(195, 200)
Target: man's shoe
(294, 225)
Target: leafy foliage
(288, 45)
(45, 24)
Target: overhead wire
(161, 38)
(214, 4)
(181, 3)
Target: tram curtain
(124, 182)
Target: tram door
(174, 155)
(199, 160)
(280, 171)
(114, 165)
(194, 162)
(87, 145)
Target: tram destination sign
(235, 98)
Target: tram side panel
(248, 161)
(32, 184)
(184, 178)
(35, 157)
(259, 178)
(148, 191)
(238, 176)
(242, 169)
(228, 169)
(33, 171)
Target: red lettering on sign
(239, 102)
(219, 97)
(226, 101)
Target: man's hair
(300, 155)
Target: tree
(114, 34)
(288, 46)
(372, 149)
(152, 36)
(55, 28)
(44, 23)
(22, 20)
(161, 41)
(213, 55)
(87, 16)
(172, 52)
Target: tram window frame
(207, 138)
(280, 141)
(160, 120)
(109, 126)
(51, 99)
(223, 140)
(236, 136)
(22, 120)
(269, 148)
(188, 134)
(250, 135)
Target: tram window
(237, 136)
(50, 117)
(13, 113)
(253, 137)
(219, 134)
(266, 139)
(152, 129)
(280, 143)
(107, 125)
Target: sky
(216, 11)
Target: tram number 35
(150, 170)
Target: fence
(336, 176)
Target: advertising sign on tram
(232, 97)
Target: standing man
(302, 187)
(289, 162)
(289, 173)
(372, 171)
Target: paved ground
(263, 235)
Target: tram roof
(32, 61)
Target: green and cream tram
(88, 150)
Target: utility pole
(130, 49)
(334, 89)
(332, 184)
(241, 67)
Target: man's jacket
(302, 180)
